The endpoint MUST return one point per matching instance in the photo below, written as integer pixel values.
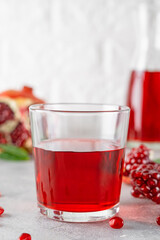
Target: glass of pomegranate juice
(79, 153)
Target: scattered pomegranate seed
(146, 181)
(158, 220)
(1, 210)
(5, 113)
(116, 222)
(136, 157)
(25, 236)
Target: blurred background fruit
(14, 117)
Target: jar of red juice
(144, 86)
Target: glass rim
(103, 108)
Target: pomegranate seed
(158, 220)
(155, 190)
(116, 222)
(25, 236)
(128, 167)
(139, 161)
(145, 171)
(135, 166)
(139, 182)
(132, 173)
(133, 161)
(1, 210)
(152, 183)
(149, 195)
(156, 175)
(145, 189)
(145, 176)
(137, 174)
(156, 198)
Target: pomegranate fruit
(14, 117)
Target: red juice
(144, 101)
(78, 175)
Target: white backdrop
(68, 50)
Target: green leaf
(11, 152)
(8, 156)
(157, 160)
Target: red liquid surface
(73, 180)
(144, 101)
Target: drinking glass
(79, 152)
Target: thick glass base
(79, 216)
